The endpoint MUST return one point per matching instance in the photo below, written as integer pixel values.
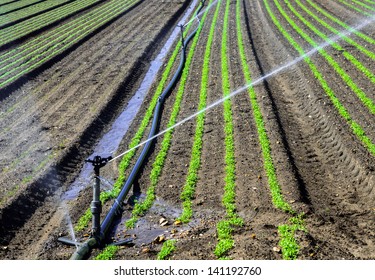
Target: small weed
(167, 249)
(108, 253)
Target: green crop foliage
(354, 8)
(336, 20)
(83, 220)
(277, 197)
(225, 227)
(126, 159)
(82, 27)
(345, 77)
(157, 166)
(108, 253)
(363, 5)
(288, 243)
(167, 249)
(356, 128)
(21, 29)
(49, 37)
(16, 15)
(287, 234)
(359, 47)
(15, 5)
(195, 161)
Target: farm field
(282, 170)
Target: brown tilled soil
(323, 169)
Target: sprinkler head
(98, 162)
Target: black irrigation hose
(116, 208)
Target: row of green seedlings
(368, 1)
(225, 226)
(34, 47)
(346, 78)
(21, 29)
(11, 4)
(17, 5)
(356, 8)
(334, 19)
(356, 128)
(288, 243)
(19, 63)
(157, 166)
(12, 57)
(29, 11)
(36, 53)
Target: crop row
(22, 29)
(359, 7)
(288, 243)
(9, 8)
(341, 71)
(31, 11)
(8, 2)
(225, 226)
(339, 22)
(37, 52)
(356, 128)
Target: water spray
(259, 80)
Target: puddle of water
(148, 228)
(111, 140)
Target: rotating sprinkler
(97, 237)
